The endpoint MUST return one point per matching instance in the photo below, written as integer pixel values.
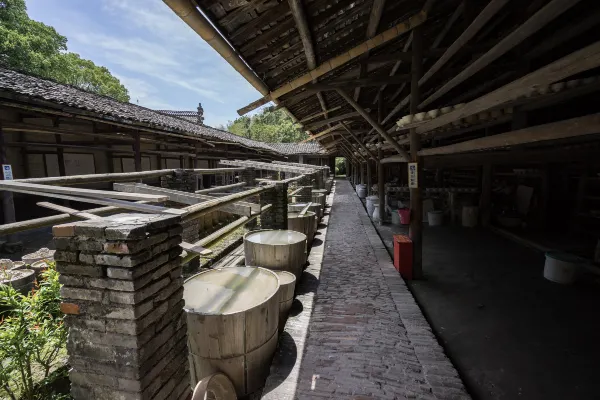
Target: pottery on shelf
(588, 81)
(573, 83)
(420, 116)
(445, 110)
(543, 89)
(459, 105)
(433, 113)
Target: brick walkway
(358, 333)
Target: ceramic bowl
(420, 116)
(433, 113)
(557, 87)
(573, 83)
(543, 89)
(445, 110)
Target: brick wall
(182, 179)
(123, 296)
(276, 216)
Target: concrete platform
(511, 333)
(356, 331)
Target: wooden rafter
(339, 60)
(528, 28)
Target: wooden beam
(324, 112)
(177, 196)
(574, 63)
(373, 123)
(97, 178)
(99, 194)
(361, 82)
(197, 210)
(415, 230)
(361, 144)
(218, 188)
(529, 27)
(67, 210)
(321, 134)
(581, 126)
(137, 157)
(492, 8)
(374, 18)
(339, 60)
(337, 118)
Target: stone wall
(123, 296)
(276, 216)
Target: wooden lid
(229, 290)
(275, 237)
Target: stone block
(139, 296)
(66, 256)
(135, 246)
(79, 269)
(139, 270)
(81, 294)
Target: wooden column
(159, 159)
(137, 152)
(181, 162)
(485, 201)
(8, 205)
(381, 185)
(60, 155)
(415, 231)
(369, 176)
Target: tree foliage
(270, 125)
(38, 49)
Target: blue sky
(163, 63)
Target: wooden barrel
(315, 207)
(232, 320)
(279, 250)
(306, 224)
(287, 285)
(319, 198)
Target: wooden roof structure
(332, 62)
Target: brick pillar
(182, 179)
(305, 195)
(276, 216)
(123, 296)
(249, 176)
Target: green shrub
(32, 337)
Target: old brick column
(276, 216)
(249, 176)
(184, 180)
(304, 195)
(123, 296)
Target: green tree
(270, 125)
(38, 49)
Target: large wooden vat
(306, 224)
(280, 250)
(232, 319)
(319, 198)
(315, 207)
(287, 285)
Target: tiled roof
(298, 148)
(191, 116)
(29, 87)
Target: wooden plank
(197, 210)
(574, 63)
(492, 8)
(239, 208)
(531, 26)
(581, 126)
(270, 167)
(92, 193)
(373, 123)
(147, 208)
(304, 210)
(67, 210)
(96, 178)
(224, 187)
(196, 248)
(339, 60)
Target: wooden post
(369, 177)
(181, 162)
(8, 205)
(485, 201)
(60, 155)
(381, 184)
(415, 231)
(159, 159)
(137, 152)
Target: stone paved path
(359, 334)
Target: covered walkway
(357, 332)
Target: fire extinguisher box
(403, 256)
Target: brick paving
(357, 333)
